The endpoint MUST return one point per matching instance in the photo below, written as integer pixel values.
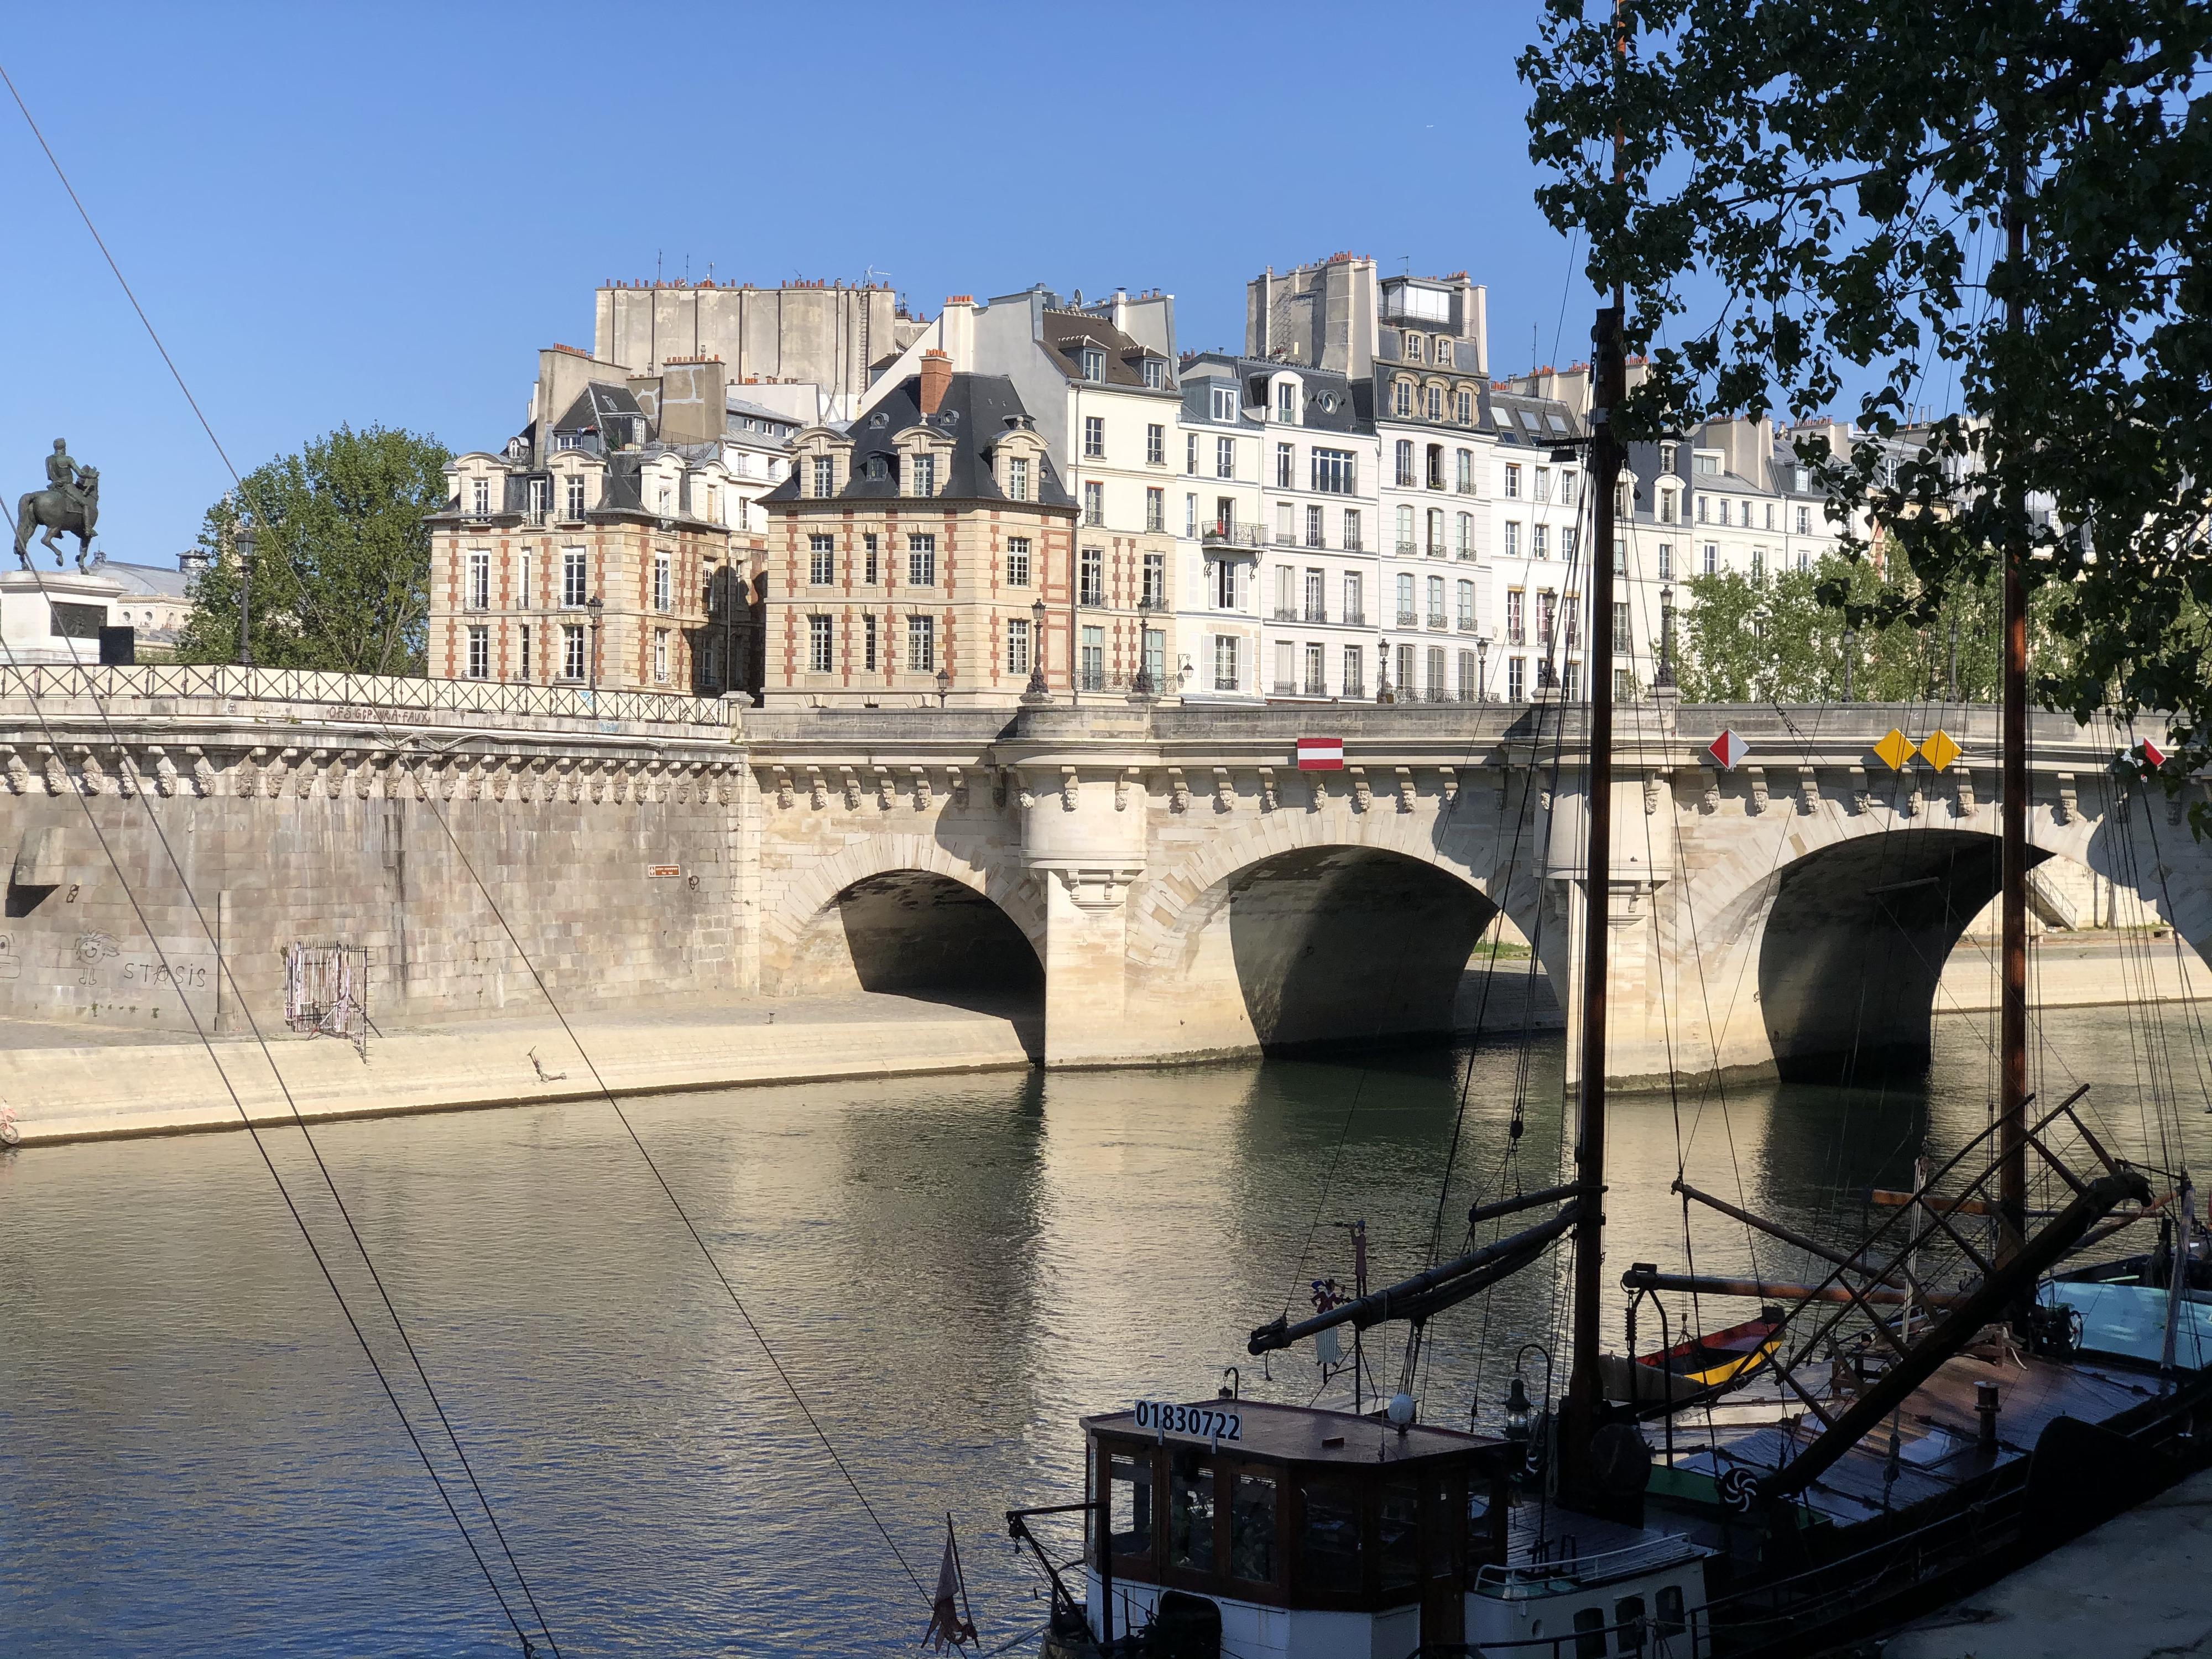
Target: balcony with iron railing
(1224, 534)
(1153, 601)
(1286, 613)
(1517, 634)
(1407, 550)
(1315, 613)
(1355, 619)
(1353, 545)
(1466, 624)
(1286, 689)
(1409, 619)
(1437, 620)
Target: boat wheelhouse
(1301, 1532)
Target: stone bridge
(1158, 882)
(1176, 888)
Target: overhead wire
(330, 1184)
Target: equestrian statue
(69, 504)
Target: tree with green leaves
(2014, 195)
(1771, 639)
(341, 574)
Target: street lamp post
(244, 541)
(1382, 671)
(1037, 690)
(1482, 668)
(1666, 675)
(596, 607)
(944, 684)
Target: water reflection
(196, 1459)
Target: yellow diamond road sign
(1895, 749)
(1940, 748)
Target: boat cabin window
(1130, 1488)
(1398, 1536)
(1628, 1619)
(1252, 1529)
(1590, 1633)
(1668, 1620)
(1190, 1511)
(1330, 1540)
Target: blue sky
(357, 214)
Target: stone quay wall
(155, 820)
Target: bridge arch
(1829, 961)
(1306, 929)
(901, 913)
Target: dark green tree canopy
(341, 575)
(1841, 172)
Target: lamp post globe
(1037, 690)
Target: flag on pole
(947, 1626)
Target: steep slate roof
(148, 579)
(1332, 404)
(598, 402)
(976, 412)
(1537, 423)
(1067, 332)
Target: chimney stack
(936, 376)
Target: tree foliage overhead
(1841, 171)
(341, 574)
(1769, 639)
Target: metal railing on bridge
(395, 698)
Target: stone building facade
(593, 551)
(922, 555)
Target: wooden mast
(2012, 1039)
(1608, 376)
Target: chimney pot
(936, 377)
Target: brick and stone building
(595, 551)
(910, 551)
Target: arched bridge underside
(1182, 891)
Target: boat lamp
(1400, 1410)
(1517, 1413)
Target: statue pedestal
(55, 615)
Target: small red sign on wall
(664, 870)
(1321, 754)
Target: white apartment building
(1218, 653)
(1430, 395)
(1539, 518)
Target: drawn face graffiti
(95, 947)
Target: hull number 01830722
(1207, 1422)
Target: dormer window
(1094, 363)
(1466, 407)
(1413, 347)
(1433, 403)
(1402, 399)
(876, 468)
(1668, 453)
(480, 498)
(823, 477)
(1285, 402)
(922, 475)
(1224, 403)
(1018, 478)
(1156, 373)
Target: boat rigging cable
(246, 1116)
(758, 1335)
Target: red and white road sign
(1728, 748)
(1321, 754)
(2152, 754)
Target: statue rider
(62, 473)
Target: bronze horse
(59, 511)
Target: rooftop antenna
(656, 267)
(1407, 260)
(872, 273)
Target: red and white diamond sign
(2153, 756)
(1321, 754)
(1728, 748)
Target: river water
(196, 1459)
